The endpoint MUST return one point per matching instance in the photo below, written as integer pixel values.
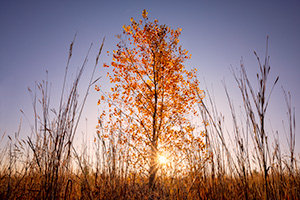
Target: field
(47, 166)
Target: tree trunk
(153, 169)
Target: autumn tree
(153, 95)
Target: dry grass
(46, 166)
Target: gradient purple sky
(35, 37)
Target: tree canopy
(153, 96)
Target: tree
(153, 94)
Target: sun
(162, 159)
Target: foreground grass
(47, 166)
(103, 186)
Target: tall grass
(242, 163)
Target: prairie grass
(47, 166)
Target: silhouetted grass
(47, 166)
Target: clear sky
(35, 37)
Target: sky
(35, 38)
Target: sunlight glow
(162, 159)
